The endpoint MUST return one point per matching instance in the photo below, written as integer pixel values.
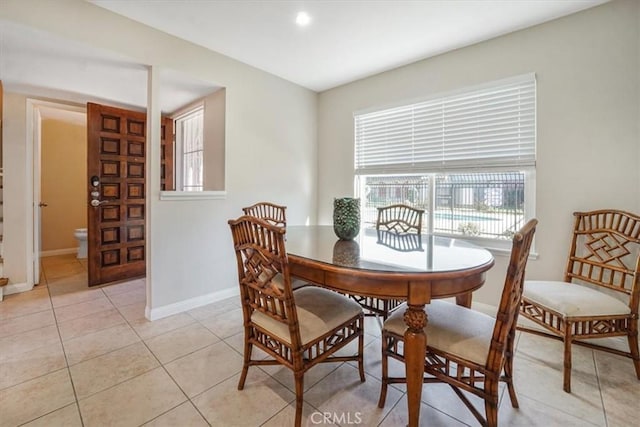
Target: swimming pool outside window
(475, 205)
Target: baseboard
(55, 252)
(14, 288)
(189, 304)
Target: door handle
(95, 203)
(42, 205)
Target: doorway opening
(58, 150)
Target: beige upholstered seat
(466, 349)
(604, 263)
(573, 300)
(319, 312)
(451, 328)
(297, 329)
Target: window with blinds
(492, 126)
(190, 150)
(467, 158)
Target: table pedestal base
(415, 347)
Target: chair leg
(633, 348)
(567, 358)
(508, 373)
(299, 380)
(385, 307)
(361, 351)
(491, 402)
(385, 372)
(508, 369)
(248, 347)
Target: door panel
(116, 228)
(167, 183)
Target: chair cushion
(319, 311)
(451, 328)
(572, 299)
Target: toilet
(81, 236)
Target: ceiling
(37, 63)
(346, 40)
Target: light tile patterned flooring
(73, 356)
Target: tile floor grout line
(390, 410)
(68, 367)
(118, 383)
(171, 409)
(51, 412)
(28, 330)
(94, 333)
(450, 415)
(160, 365)
(604, 409)
(556, 408)
(66, 359)
(169, 375)
(74, 303)
(181, 356)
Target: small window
(190, 150)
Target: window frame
(499, 246)
(179, 154)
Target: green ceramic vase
(346, 217)
(346, 253)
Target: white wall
(15, 182)
(588, 138)
(270, 149)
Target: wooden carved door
(167, 182)
(116, 166)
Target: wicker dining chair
(272, 213)
(401, 220)
(466, 349)
(298, 329)
(599, 295)
(275, 215)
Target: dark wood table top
(386, 252)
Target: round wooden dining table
(416, 268)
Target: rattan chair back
(400, 218)
(270, 212)
(605, 251)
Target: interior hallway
(73, 356)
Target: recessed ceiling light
(303, 19)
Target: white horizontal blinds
(192, 128)
(488, 127)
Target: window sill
(193, 195)
(500, 248)
(507, 253)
